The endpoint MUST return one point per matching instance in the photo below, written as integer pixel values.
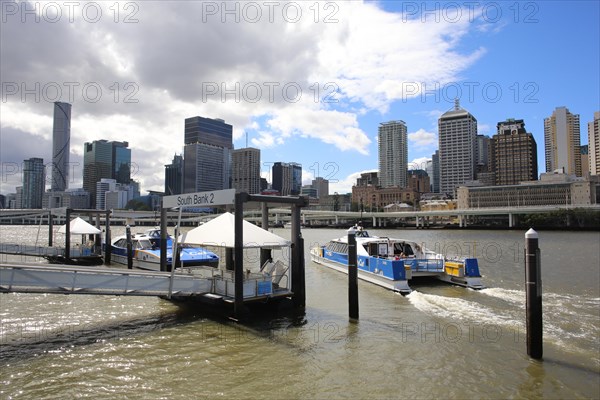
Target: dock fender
(471, 267)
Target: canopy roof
(79, 227)
(220, 232)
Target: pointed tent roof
(220, 232)
(79, 227)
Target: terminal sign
(200, 199)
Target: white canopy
(79, 227)
(220, 232)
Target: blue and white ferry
(146, 252)
(391, 263)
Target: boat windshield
(362, 233)
(143, 244)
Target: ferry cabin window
(403, 248)
(337, 247)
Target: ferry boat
(146, 252)
(391, 263)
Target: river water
(438, 342)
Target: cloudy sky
(305, 82)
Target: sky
(303, 81)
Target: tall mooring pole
(163, 238)
(129, 247)
(238, 253)
(352, 276)
(533, 288)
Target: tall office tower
(61, 146)
(287, 178)
(561, 139)
(34, 183)
(457, 130)
(322, 186)
(393, 154)
(435, 181)
(207, 155)
(103, 186)
(105, 159)
(296, 178)
(245, 170)
(482, 151)
(515, 153)
(594, 144)
(174, 176)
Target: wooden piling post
(129, 248)
(352, 276)
(533, 287)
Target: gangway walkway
(93, 280)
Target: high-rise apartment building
(562, 141)
(34, 183)
(594, 144)
(174, 176)
(207, 155)
(245, 170)
(105, 159)
(457, 131)
(393, 154)
(515, 153)
(61, 146)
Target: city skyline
(336, 140)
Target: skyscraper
(245, 170)
(322, 186)
(287, 178)
(174, 176)
(457, 138)
(105, 159)
(515, 153)
(207, 154)
(61, 146)
(393, 154)
(435, 181)
(34, 183)
(594, 144)
(562, 141)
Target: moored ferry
(392, 263)
(146, 252)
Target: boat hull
(400, 286)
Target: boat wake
(569, 321)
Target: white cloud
(419, 163)
(343, 186)
(422, 138)
(177, 62)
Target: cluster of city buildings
(468, 170)
(209, 162)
